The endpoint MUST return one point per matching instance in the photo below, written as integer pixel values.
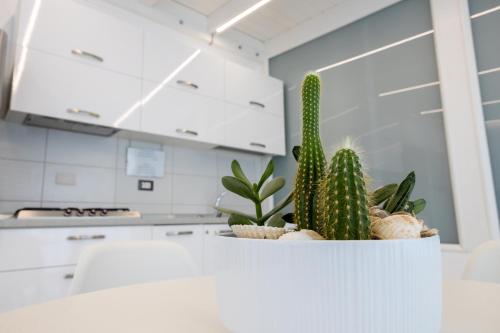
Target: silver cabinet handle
(256, 144)
(179, 233)
(82, 53)
(69, 276)
(88, 113)
(186, 131)
(257, 104)
(85, 237)
(188, 84)
(223, 232)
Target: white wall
(31, 158)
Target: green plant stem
(258, 210)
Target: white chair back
(484, 263)
(124, 263)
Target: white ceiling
(271, 20)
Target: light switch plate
(146, 185)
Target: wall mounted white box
(376, 286)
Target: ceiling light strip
(241, 15)
(372, 52)
(497, 101)
(399, 91)
(423, 113)
(488, 71)
(486, 12)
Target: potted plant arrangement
(358, 261)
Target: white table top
(189, 306)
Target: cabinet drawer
(171, 112)
(79, 32)
(60, 88)
(254, 130)
(23, 288)
(252, 89)
(34, 248)
(189, 236)
(169, 59)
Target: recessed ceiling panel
(205, 7)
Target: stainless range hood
(68, 125)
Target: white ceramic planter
(391, 286)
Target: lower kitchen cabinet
(209, 258)
(37, 264)
(188, 236)
(26, 287)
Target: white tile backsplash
(195, 162)
(22, 142)
(31, 158)
(194, 190)
(81, 149)
(20, 180)
(92, 184)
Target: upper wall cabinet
(167, 59)
(252, 89)
(61, 88)
(80, 32)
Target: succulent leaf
(238, 219)
(383, 193)
(398, 200)
(238, 173)
(419, 206)
(272, 187)
(238, 187)
(296, 153)
(276, 221)
(267, 173)
(235, 212)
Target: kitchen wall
(31, 159)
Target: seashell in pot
(377, 212)
(257, 232)
(397, 226)
(303, 234)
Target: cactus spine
(343, 200)
(312, 162)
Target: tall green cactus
(343, 200)
(312, 162)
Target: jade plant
(343, 199)
(311, 159)
(240, 185)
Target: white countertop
(189, 306)
(151, 219)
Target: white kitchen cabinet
(253, 130)
(209, 258)
(188, 236)
(79, 32)
(26, 287)
(172, 112)
(60, 88)
(171, 60)
(45, 247)
(249, 88)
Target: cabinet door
(171, 60)
(33, 247)
(188, 236)
(79, 32)
(171, 112)
(250, 88)
(209, 258)
(60, 88)
(254, 130)
(22, 288)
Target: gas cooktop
(71, 212)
